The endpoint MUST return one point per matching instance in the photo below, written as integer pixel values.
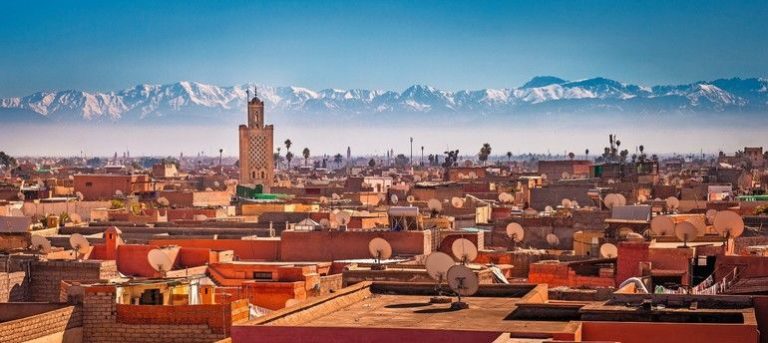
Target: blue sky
(106, 45)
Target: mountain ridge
(189, 100)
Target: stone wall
(13, 287)
(105, 321)
(60, 322)
(46, 276)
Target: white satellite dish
(565, 175)
(700, 222)
(79, 244)
(729, 224)
(159, 261)
(335, 196)
(663, 226)
(343, 218)
(437, 264)
(685, 231)
(608, 250)
(634, 237)
(379, 249)
(622, 200)
(393, 199)
(553, 240)
(323, 200)
(672, 203)
(549, 209)
(410, 199)
(515, 232)
(435, 205)
(624, 231)
(612, 200)
(642, 198)
(464, 250)
(325, 223)
(457, 202)
(40, 244)
(566, 203)
(463, 281)
(505, 197)
(530, 211)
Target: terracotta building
(256, 143)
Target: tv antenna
(80, 244)
(685, 231)
(463, 282)
(159, 261)
(515, 233)
(608, 250)
(437, 265)
(464, 250)
(380, 249)
(663, 226)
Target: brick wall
(13, 287)
(41, 325)
(105, 321)
(46, 276)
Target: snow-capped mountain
(191, 101)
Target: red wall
(242, 334)
(336, 245)
(261, 249)
(636, 332)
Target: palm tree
(586, 152)
(305, 153)
(372, 163)
(289, 157)
(571, 155)
(422, 155)
(288, 144)
(509, 156)
(485, 151)
(277, 158)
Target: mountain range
(197, 102)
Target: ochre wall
(636, 332)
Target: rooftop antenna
(464, 250)
(437, 265)
(379, 249)
(729, 224)
(159, 261)
(685, 231)
(40, 244)
(463, 282)
(608, 250)
(79, 243)
(663, 226)
(515, 233)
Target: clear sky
(106, 45)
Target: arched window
(263, 174)
(253, 174)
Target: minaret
(256, 145)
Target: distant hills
(193, 102)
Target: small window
(253, 174)
(263, 175)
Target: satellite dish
(566, 203)
(435, 205)
(41, 244)
(553, 240)
(531, 211)
(379, 249)
(729, 224)
(343, 218)
(79, 243)
(622, 200)
(410, 199)
(710, 215)
(612, 200)
(574, 204)
(323, 200)
(325, 223)
(634, 237)
(662, 226)
(642, 198)
(515, 232)
(672, 203)
(685, 231)
(463, 282)
(457, 202)
(608, 250)
(437, 264)
(464, 250)
(565, 175)
(335, 196)
(624, 231)
(548, 209)
(393, 199)
(505, 197)
(700, 223)
(159, 261)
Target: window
(262, 275)
(88, 184)
(263, 175)
(253, 174)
